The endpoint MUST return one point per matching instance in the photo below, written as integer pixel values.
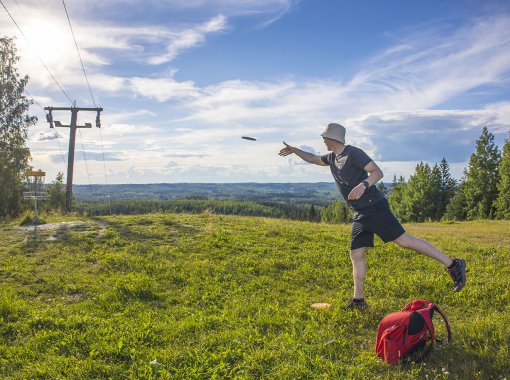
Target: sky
(181, 82)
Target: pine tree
(502, 203)
(337, 212)
(456, 209)
(57, 194)
(383, 189)
(396, 196)
(447, 187)
(313, 215)
(421, 196)
(482, 177)
(14, 123)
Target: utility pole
(72, 141)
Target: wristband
(367, 185)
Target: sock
(358, 300)
(454, 263)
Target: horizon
(205, 183)
(181, 83)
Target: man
(355, 175)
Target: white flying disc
(321, 305)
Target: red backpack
(402, 334)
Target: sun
(48, 40)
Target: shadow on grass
(34, 240)
(141, 232)
(452, 362)
(39, 236)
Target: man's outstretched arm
(307, 156)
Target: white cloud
(107, 83)
(91, 156)
(185, 154)
(189, 38)
(45, 136)
(501, 116)
(284, 8)
(282, 102)
(163, 89)
(307, 148)
(110, 119)
(422, 134)
(431, 68)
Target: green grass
(219, 297)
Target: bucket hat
(334, 131)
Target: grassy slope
(208, 296)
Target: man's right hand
(285, 151)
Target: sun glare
(49, 39)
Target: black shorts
(377, 219)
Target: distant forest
(320, 193)
(301, 201)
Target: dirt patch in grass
(55, 231)
(55, 226)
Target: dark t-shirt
(348, 172)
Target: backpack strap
(435, 307)
(426, 314)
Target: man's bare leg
(359, 270)
(423, 247)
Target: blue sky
(181, 81)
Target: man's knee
(358, 254)
(405, 240)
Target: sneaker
(359, 304)
(458, 274)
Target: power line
(38, 56)
(35, 101)
(79, 55)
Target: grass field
(223, 297)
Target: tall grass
(219, 297)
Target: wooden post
(70, 159)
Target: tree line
(196, 206)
